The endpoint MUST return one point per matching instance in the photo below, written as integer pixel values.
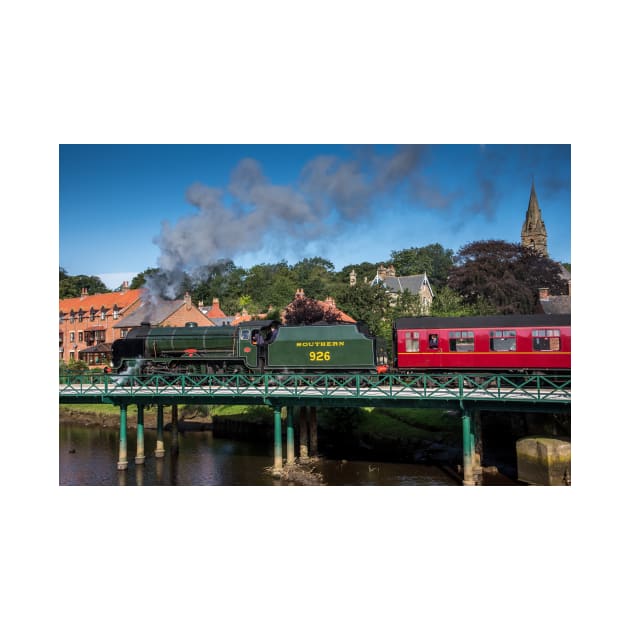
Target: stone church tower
(534, 233)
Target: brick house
(160, 312)
(86, 323)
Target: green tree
(448, 303)
(369, 304)
(315, 276)
(433, 260)
(362, 270)
(72, 286)
(139, 281)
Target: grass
(389, 424)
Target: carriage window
(461, 341)
(503, 340)
(546, 340)
(433, 341)
(412, 341)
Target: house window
(80, 316)
(461, 341)
(503, 340)
(546, 340)
(80, 335)
(61, 318)
(60, 339)
(412, 341)
(115, 312)
(103, 315)
(71, 336)
(72, 317)
(123, 333)
(92, 314)
(71, 355)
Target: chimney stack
(84, 292)
(187, 301)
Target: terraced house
(87, 324)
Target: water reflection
(88, 456)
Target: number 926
(319, 356)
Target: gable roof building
(395, 285)
(160, 312)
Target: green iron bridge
(469, 393)
(421, 390)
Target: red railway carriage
(527, 343)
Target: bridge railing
(461, 387)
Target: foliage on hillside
(485, 277)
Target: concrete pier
(544, 461)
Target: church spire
(534, 233)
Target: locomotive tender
(501, 343)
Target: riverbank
(402, 435)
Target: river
(88, 457)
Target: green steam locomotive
(254, 346)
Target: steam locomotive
(520, 343)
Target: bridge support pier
(140, 436)
(159, 446)
(277, 439)
(303, 434)
(122, 442)
(468, 443)
(174, 429)
(290, 437)
(312, 425)
(478, 449)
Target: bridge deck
(320, 389)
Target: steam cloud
(253, 213)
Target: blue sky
(123, 208)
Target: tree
(448, 303)
(138, 281)
(363, 270)
(369, 304)
(315, 276)
(306, 310)
(72, 286)
(433, 260)
(505, 275)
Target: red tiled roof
(121, 299)
(215, 311)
